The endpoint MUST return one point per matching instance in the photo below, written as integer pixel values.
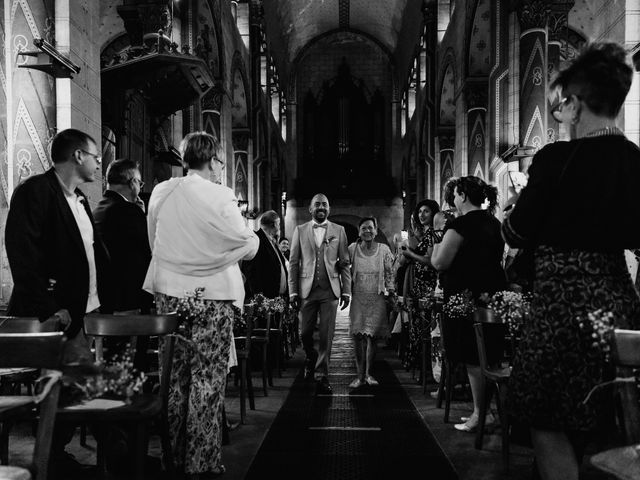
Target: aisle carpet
(368, 433)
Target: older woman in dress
(578, 213)
(372, 281)
(197, 236)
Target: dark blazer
(43, 244)
(262, 272)
(123, 228)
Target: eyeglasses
(221, 162)
(140, 182)
(556, 110)
(96, 157)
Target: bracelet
(438, 235)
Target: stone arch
(209, 45)
(446, 103)
(479, 41)
(238, 176)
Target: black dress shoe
(323, 387)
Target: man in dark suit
(122, 225)
(57, 259)
(266, 273)
(319, 278)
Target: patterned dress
(198, 381)
(568, 285)
(368, 311)
(424, 282)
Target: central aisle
(369, 433)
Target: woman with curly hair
(469, 257)
(579, 262)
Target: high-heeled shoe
(471, 423)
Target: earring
(574, 120)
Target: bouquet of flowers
(116, 378)
(512, 307)
(598, 330)
(266, 305)
(459, 306)
(192, 309)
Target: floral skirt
(557, 362)
(198, 381)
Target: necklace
(601, 132)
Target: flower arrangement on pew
(459, 306)
(512, 308)
(115, 379)
(264, 305)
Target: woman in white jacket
(198, 236)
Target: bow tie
(317, 225)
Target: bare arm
(445, 251)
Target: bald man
(319, 279)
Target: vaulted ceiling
(292, 24)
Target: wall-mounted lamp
(517, 152)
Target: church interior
(374, 103)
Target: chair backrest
(31, 350)
(246, 335)
(626, 358)
(26, 325)
(490, 332)
(100, 325)
(34, 350)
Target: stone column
(430, 15)
(446, 142)
(533, 15)
(30, 94)
(240, 183)
(476, 98)
(558, 25)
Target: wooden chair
(624, 462)
(144, 408)
(32, 350)
(260, 336)
(626, 358)
(448, 369)
(494, 377)
(243, 353)
(11, 379)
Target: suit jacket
(44, 243)
(123, 227)
(262, 272)
(302, 260)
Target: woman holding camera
(579, 259)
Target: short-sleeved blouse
(477, 266)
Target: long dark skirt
(557, 361)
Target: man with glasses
(58, 262)
(123, 226)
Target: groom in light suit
(319, 276)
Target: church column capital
(533, 13)
(476, 94)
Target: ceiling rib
(343, 13)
